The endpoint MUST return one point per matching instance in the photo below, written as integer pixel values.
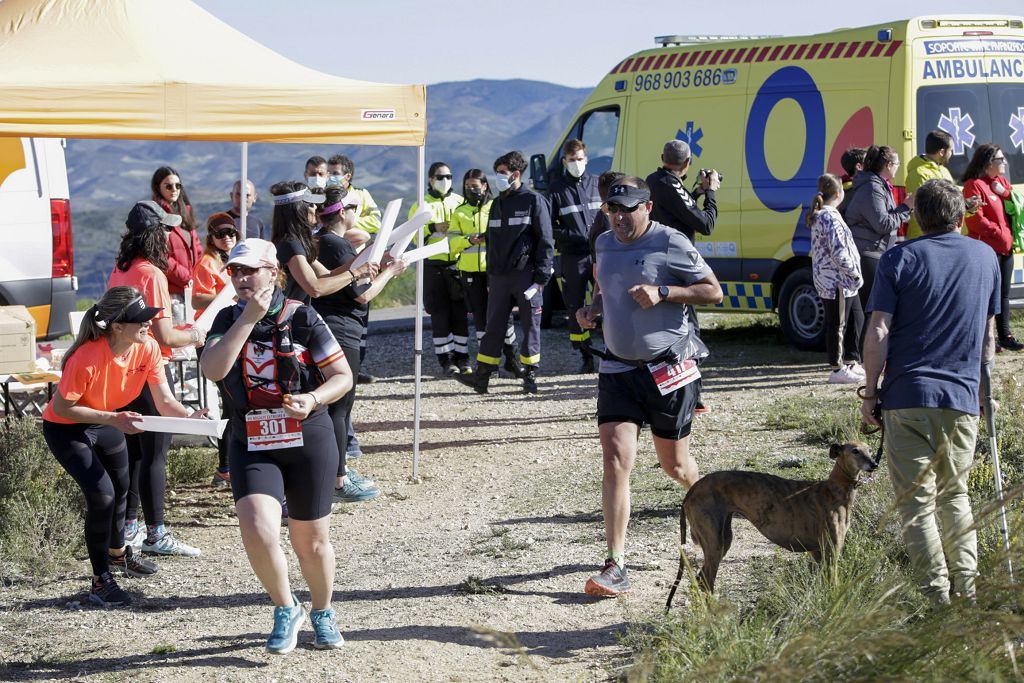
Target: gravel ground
(474, 573)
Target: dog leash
(868, 429)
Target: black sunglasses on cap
(619, 208)
(221, 233)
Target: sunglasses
(352, 207)
(224, 232)
(172, 186)
(234, 270)
(619, 208)
(444, 177)
(999, 159)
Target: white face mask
(316, 181)
(576, 168)
(441, 185)
(502, 182)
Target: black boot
(445, 361)
(530, 379)
(511, 362)
(587, 366)
(461, 362)
(478, 379)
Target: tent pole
(421, 180)
(243, 192)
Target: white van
(36, 254)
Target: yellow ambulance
(773, 114)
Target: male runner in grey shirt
(648, 275)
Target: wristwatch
(663, 292)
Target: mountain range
(469, 124)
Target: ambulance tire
(801, 315)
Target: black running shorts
(303, 476)
(634, 397)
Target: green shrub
(40, 505)
(190, 465)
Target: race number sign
(271, 430)
(671, 376)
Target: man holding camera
(674, 205)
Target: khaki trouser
(930, 452)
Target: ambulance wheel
(801, 314)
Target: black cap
(136, 312)
(627, 195)
(149, 214)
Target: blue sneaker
(325, 629)
(359, 479)
(353, 492)
(287, 621)
(134, 534)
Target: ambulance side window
(598, 129)
(962, 111)
(1008, 126)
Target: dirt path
(476, 573)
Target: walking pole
(990, 420)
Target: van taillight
(63, 250)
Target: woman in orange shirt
(208, 280)
(141, 263)
(108, 365)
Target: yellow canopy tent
(169, 70)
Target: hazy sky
(570, 42)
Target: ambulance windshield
(974, 114)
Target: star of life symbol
(1017, 126)
(691, 137)
(959, 127)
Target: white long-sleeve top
(835, 261)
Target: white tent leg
(421, 180)
(243, 192)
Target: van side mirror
(539, 172)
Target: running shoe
(169, 545)
(1010, 343)
(326, 635)
(365, 378)
(106, 593)
(134, 534)
(352, 492)
(221, 480)
(287, 621)
(132, 563)
(610, 582)
(359, 479)
(353, 453)
(844, 376)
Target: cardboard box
(17, 340)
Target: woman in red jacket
(185, 246)
(985, 179)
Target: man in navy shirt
(932, 310)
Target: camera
(707, 171)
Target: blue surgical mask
(502, 182)
(338, 180)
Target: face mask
(502, 182)
(441, 185)
(474, 196)
(337, 180)
(316, 181)
(998, 188)
(576, 168)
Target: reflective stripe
(447, 348)
(575, 208)
(475, 249)
(494, 223)
(519, 220)
(530, 360)
(594, 205)
(510, 335)
(580, 337)
(488, 360)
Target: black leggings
(147, 463)
(1006, 274)
(848, 348)
(97, 459)
(341, 410)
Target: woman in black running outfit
(107, 366)
(278, 366)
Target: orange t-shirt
(94, 378)
(210, 277)
(151, 281)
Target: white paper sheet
(225, 298)
(426, 252)
(190, 313)
(374, 252)
(182, 425)
(403, 235)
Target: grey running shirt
(662, 256)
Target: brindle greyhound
(804, 516)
